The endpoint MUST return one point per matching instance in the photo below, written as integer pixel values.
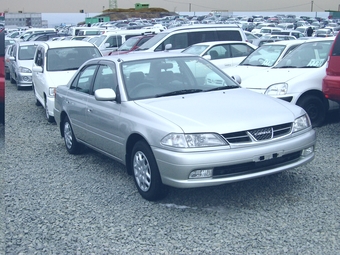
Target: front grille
(253, 167)
(260, 134)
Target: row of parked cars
(173, 116)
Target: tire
(315, 108)
(146, 174)
(12, 80)
(72, 146)
(47, 115)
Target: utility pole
(311, 8)
(189, 7)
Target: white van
(31, 31)
(75, 31)
(180, 38)
(110, 40)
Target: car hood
(277, 75)
(25, 63)
(241, 109)
(245, 71)
(60, 78)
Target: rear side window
(229, 35)
(336, 47)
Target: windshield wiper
(222, 88)
(284, 67)
(179, 92)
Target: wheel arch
(316, 93)
(131, 141)
(63, 115)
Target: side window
(114, 41)
(83, 81)
(229, 35)
(178, 41)
(105, 78)
(240, 50)
(39, 57)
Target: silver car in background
(177, 120)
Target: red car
(331, 82)
(131, 44)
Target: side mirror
(168, 47)
(37, 69)
(237, 78)
(105, 95)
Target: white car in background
(55, 62)
(223, 54)
(21, 61)
(262, 58)
(297, 79)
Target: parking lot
(57, 203)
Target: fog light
(204, 173)
(307, 151)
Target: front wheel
(315, 108)
(72, 146)
(146, 174)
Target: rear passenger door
(76, 101)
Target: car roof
(131, 56)
(28, 42)
(220, 42)
(68, 43)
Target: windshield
(154, 40)
(161, 77)
(99, 40)
(26, 52)
(264, 56)
(308, 55)
(69, 58)
(129, 44)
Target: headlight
(193, 140)
(277, 89)
(301, 123)
(51, 91)
(24, 70)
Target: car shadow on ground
(332, 117)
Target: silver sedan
(176, 120)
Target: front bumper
(231, 165)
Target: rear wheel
(315, 108)
(146, 174)
(72, 146)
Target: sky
(90, 6)
(67, 11)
